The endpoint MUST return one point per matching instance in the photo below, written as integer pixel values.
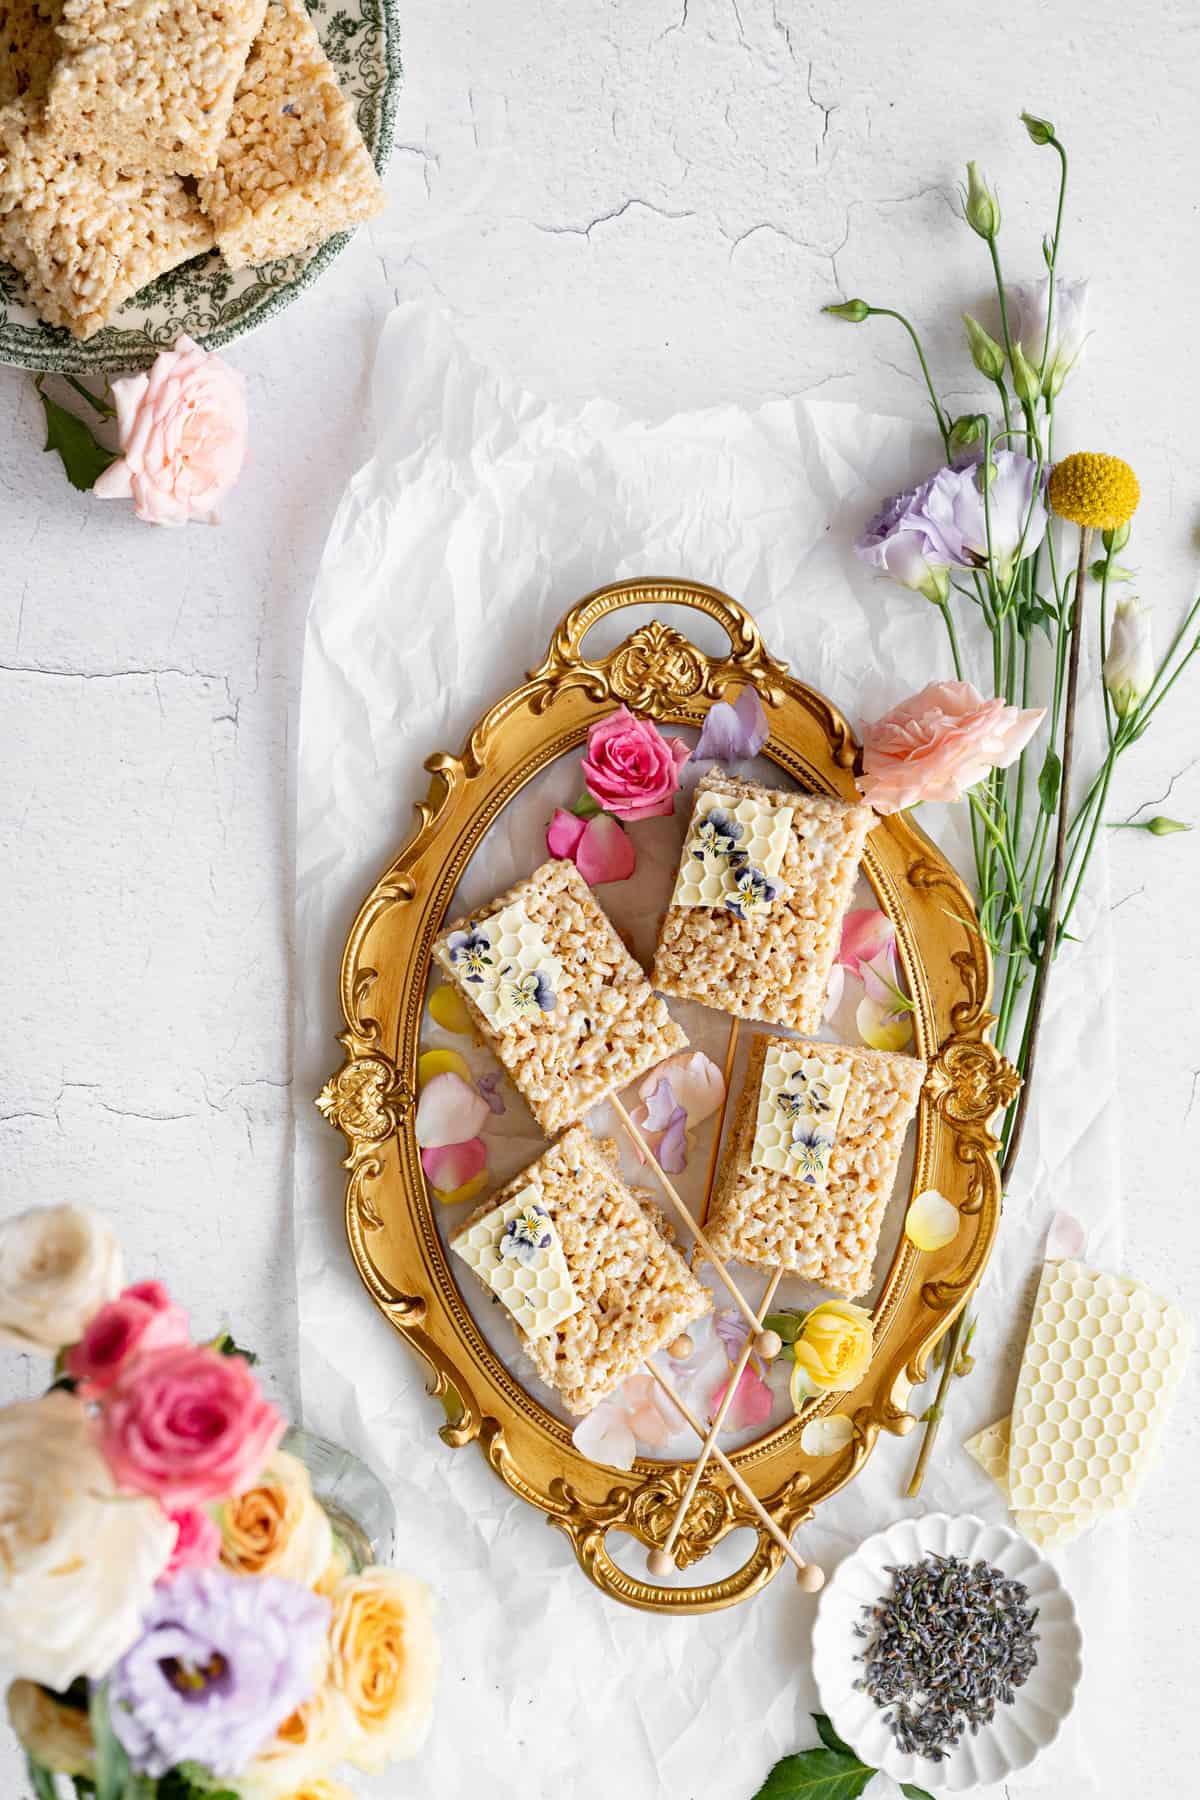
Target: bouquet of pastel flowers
(180, 1614)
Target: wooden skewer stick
(809, 1577)
(660, 1560)
(718, 1133)
(770, 1345)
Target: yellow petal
(881, 1029)
(448, 1009)
(467, 1191)
(931, 1221)
(825, 1437)
(441, 1062)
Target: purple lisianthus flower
(1014, 502)
(733, 733)
(907, 538)
(222, 1661)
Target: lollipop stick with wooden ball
(661, 1563)
(766, 1343)
(655, 1563)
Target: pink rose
(183, 429)
(630, 769)
(939, 743)
(197, 1541)
(598, 847)
(187, 1425)
(142, 1317)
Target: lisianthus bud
(1164, 827)
(965, 433)
(1117, 540)
(986, 353)
(980, 206)
(1129, 665)
(1040, 130)
(1026, 381)
(854, 310)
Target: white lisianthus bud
(1028, 302)
(980, 206)
(1129, 665)
(986, 353)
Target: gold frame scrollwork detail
(393, 1237)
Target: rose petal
(866, 934)
(441, 1062)
(696, 1084)
(834, 992)
(563, 833)
(751, 1405)
(931, 1221)
(826, 1436)
(451, 1166)
(605, 852)
(671, 1152)
(468, 1191)
(448, 1009)
(605, 1437)
(1066, 1238)
(489, 1088)
(881, 1029)
(661, 1105)
(881, 979)
(449, 1111)
(733, 733)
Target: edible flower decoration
(733, 734)
(600, 849)
(526, 994)
(452, 1110)
(471, 953)
(688, 1082)
(752, 894)
(638, 1413)
(829, 1347)
(716, 835)
(527, 1232)
(812, 1148)
(868, 953)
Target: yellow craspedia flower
(1095, 490)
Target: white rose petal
(58, 1266)
(77, 1558)
(826, 1436)
(931, 1221)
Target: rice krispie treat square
(293, 168)
(756, 915)
(83, 236)
(28, 47)
(556, 994)
(812, 1161)
(149, 84)
(628, 1292)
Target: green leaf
(198, 1783)
(225, 1344)
(816, 1775)
(41, 1780)
(113, 1774)
(83, 458)
(913, 1792)
(788, 1325)
(585, 807)
(84, 1788)
(829, 1736)
(94, 401)
(1049, 781)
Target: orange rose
(384, 1661)
(277, 1527)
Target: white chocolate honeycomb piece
(721, 838)
(1102, 1361)
(989, 1448)
(503, 964)
(533, 1280)
(800, 1101)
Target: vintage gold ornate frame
(389, 1219)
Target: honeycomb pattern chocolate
(756, 831)
(537, 1292)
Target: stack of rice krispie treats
(137, 134)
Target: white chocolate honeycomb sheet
(1102, 1361)
(516, 1250)
(723, 840)
(800, 1101)
(503, 964)
(989, 1448)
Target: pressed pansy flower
(812, 1150)
(471, 953)
(717, 835)
(753, 893)
(527, 994)
(527, 1232)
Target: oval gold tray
(389, 1219)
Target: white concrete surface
(648, 201)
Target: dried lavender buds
(947, 1646)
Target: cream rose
(78, 1560)
(384, 1660)
(183, 432)
(833, 1349)
(58, 1266)
(277, 1527)
(304, 1749)
(56, 1736)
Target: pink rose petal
(451, 1166)
(604, 852)
(751, 1404)
(563, 834)
(449, 1111)
(605, 1436)
(866, 934)
(1066, 1238)
(660, 1106)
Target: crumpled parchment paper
(482, 514)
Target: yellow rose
(57, 1736)
(277, 1527)
(833, 1350)
(320, 1790)
(303, 1750)
(384, 1660)
(335, 1570)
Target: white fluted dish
(1018, 1733)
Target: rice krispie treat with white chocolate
(82, 236)
(293, 168)
(756, 915)
(149, 84)
(28, 47)
(810, 1167)
(556, 994)
(593, 1287)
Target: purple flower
(1014, 503)
(906, 539)
(665, 1115)
(733, 733)
(222, 1661)
(489, 1090)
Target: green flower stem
(943, 607)
(1109, 716)
(1000, 839)
(1053, 264)
(954, 1340)
(943, 422)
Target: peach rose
(56, 1736)
(183, 429)
(384, 1661)
(277, 1527)
(939, 743)
(303, 1750)
(630, 769)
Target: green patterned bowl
(203, 297)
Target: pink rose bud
(187, 1425)
(183, 428)
(197, 1541)
(630, 769)
(142, 1317)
